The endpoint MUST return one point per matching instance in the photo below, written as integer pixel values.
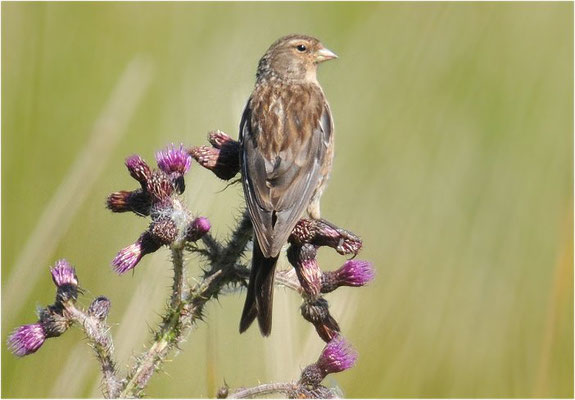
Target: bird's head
(293, 58)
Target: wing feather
(280, 181)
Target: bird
(286, 139)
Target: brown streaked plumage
(286, 134)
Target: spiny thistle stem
(288, 279)
(237, 243)
(213, 247)
(98, 334)
(178, 285)
(172, 323)
(286, 388)
(185, 311)
(172, 331)
(292, 390)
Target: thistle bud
(164, 230)
(323, 233)
(317, 312)
(224, 162)
(159, 186)
(53, 320)
(197, 228)
(136, 201)
(139, 169)
(306, 267)
(219, 139)
(100, 308)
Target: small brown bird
(286, 134)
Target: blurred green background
(454, 162)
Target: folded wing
(282, 155)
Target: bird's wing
(279, 182)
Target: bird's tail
(259, 300)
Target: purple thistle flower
(64, 274)
(337, 356)
(355, 273)
(352, 273)
(174, 160)
(127, 258)
(198, 228)
(139, 169)
(26, 339)
(130, 256)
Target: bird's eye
(301, 47)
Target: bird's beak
(324, 54)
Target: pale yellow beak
(324, 54)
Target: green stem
(98, 334)
(186, 309)
(178, 285)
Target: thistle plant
(174, 227)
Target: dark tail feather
(265, 293)
(250, 311)
(259, 300)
